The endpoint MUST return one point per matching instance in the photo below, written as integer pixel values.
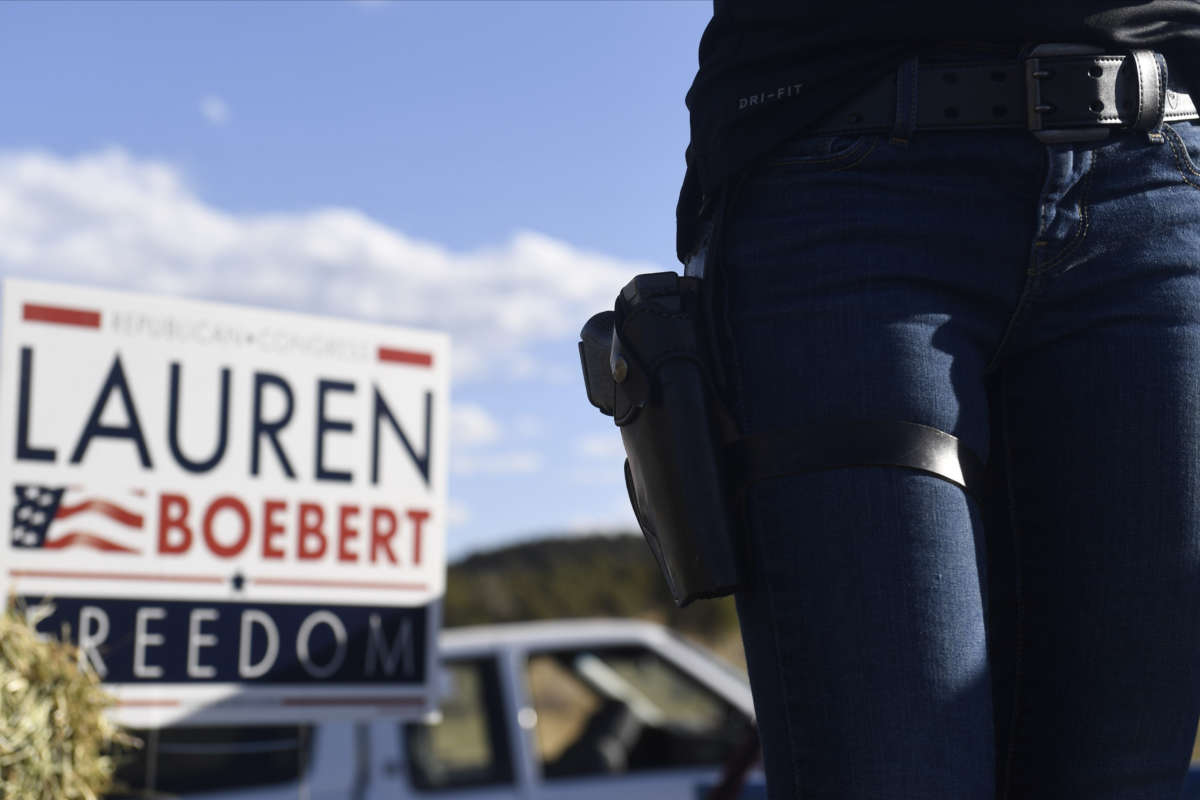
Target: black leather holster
(649, 364)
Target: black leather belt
(1058, 92)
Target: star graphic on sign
(33, 511)
(238, 581)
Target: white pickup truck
(579, 709)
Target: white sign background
(381, 521)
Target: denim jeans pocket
(821, 153)
(1184, 139)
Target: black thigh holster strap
(854, 443)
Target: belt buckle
(1035, 105)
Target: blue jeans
(1041, 303)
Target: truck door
(624, 722)
(264, 762)
(464, 751)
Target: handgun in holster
(648, 363)
(651, 364)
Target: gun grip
(595, 346)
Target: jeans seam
(1022, 307)
(742, 415)
(1033, 272)
(759, 556)
(1018, 637)
(1181, 163)
(782, 676)
(1080, 234)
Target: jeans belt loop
(1152, 93)
(906, 102)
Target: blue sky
(494, 169)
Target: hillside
(580, 576)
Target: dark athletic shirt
(769, 68)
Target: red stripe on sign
(409, 587)
(353, 701)
(61, 316)
(112, 576)
(405, 357)
(85, 539)
(110, 510)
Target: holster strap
(859, 443)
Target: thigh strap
(855, 443)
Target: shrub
(55, 741)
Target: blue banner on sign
(173, 641)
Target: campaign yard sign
(237, 514)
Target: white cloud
(215, 110)
(604, 475)
(601, 445)
(528, 426)
(512, 462)
(614, 516)
(457, 514)
(112, 219)
(471, 426)
(616, 522)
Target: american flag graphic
(58, 518)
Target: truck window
(213, 758)
(467, 743)
(627, 709)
